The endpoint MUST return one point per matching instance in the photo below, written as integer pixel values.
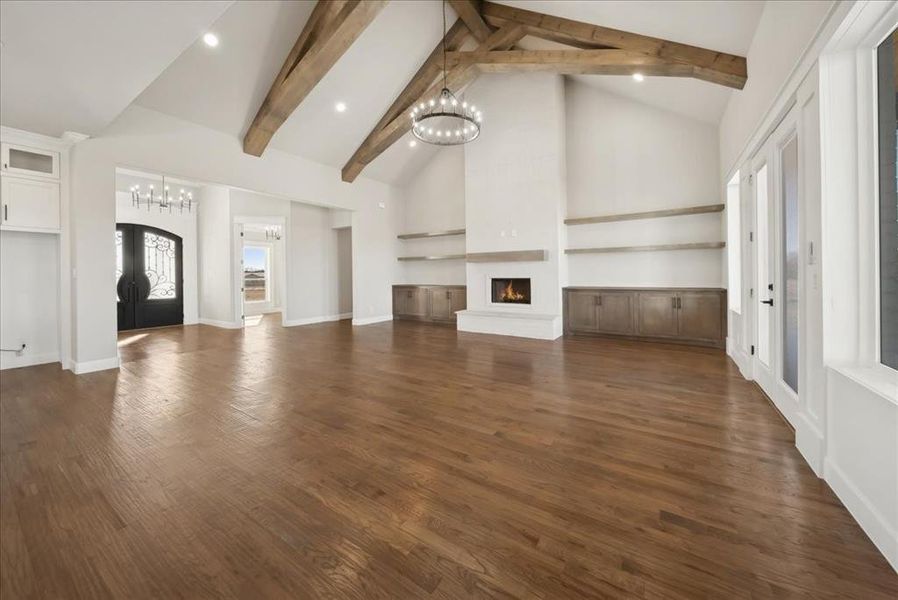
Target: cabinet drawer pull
(673, 302)
(599, 300)
(6, 212)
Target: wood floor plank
(403, 460)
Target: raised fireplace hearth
(510, 291)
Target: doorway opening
(261, 263)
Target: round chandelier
(444, 120)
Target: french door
(775, 288)
(149, 288)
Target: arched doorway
(149, 284)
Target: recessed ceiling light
(638, 76)
(210, 39)
(412, 143)
(340, 107)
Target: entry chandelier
(163, 199)
(444, 120)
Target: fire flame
(509, 294)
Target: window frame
(733, 197)
(869, 51)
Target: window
(256, 274)
(160, 265)
(734, 245)
(887, 109)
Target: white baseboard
(15, 360)
(222, 324)
(871, 521)
(809, 441)
(80, 368)
(313, 320)
(371, 320)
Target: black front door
(149, 288)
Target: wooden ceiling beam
(331, 29)
(469, 12)
(709, 65)
(457, 79)
(570, 62)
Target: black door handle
(767, 302)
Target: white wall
(29, 298)
(182, 225)
(622, 157)
(153, 142)
(515, 191)
(374, 265)
(216, 295)
(847, 410)
(785, 30)
(314, 283)
(435, 201)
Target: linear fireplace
(511, 291)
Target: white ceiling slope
(74, 66)
(224, 88)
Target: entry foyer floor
(403, 460)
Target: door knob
(767, 302)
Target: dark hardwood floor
(403, 460)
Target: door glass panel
(789, 163)
(160, 260)
(763, 266)
(255, 274)
(30, 161)
(119, 268)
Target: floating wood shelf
(431, 234)
(696, 246)
(654, 214)
(510, 256)
(440, 257)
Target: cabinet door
(399, 300)
(699, 316)
(30, 203)
(22, 160)
(657, 314)
(441, 304)
(581, 308)
(615, 313)
(416, 302)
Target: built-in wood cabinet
(683, 315)
(435, 303)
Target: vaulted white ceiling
(223, 87)
(74, 66)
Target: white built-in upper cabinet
(29, 198)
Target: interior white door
(776, 252)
